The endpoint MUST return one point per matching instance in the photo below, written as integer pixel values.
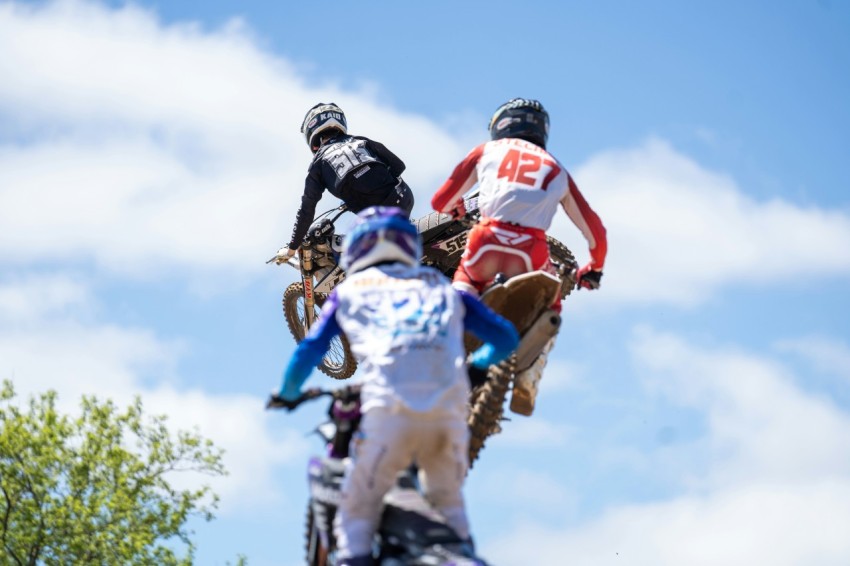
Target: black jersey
(359, 171)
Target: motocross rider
(520, 185)
(405, 323)
(359, 171)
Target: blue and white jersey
(405, 326)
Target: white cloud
(767, 524)
(530, 433)
(145, 146)
(826, 354)
(34, 296)
(769, 482)
(678, 232)
(131, 206)
(561, 373)
(761, 426)
(530, 489)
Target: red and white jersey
(522, 183)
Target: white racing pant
(390, 440)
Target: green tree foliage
(96, 489)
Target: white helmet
(321, 118)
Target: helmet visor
(363, 245)
(405, 242)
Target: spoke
(336, 354)
(335, 357)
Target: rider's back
(519, 183)
(405, 324)
(360, 171)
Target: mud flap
(544, 328)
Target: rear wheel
(339, 362)
(562, 255)
(487, 407)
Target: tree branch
(6, 525)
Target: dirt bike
(410, 532)
(443, 242)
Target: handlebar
(293, 262)
(341, 209)
(277, 402)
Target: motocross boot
(526, 382)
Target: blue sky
(696, 409)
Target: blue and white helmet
(321, 118)
(381, 234)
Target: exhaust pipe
(542, 330)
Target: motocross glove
(283, 255)
(588, 278)
(275, 401)
(459, 211)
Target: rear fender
(538, 335)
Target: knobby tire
(487, 407)
(559, 253)
(339, 362)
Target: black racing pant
(401, 196)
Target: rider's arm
(395, 164)
(498, 334)
(313, 189)
(450, 195)
(588, 222)
(310, 350)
